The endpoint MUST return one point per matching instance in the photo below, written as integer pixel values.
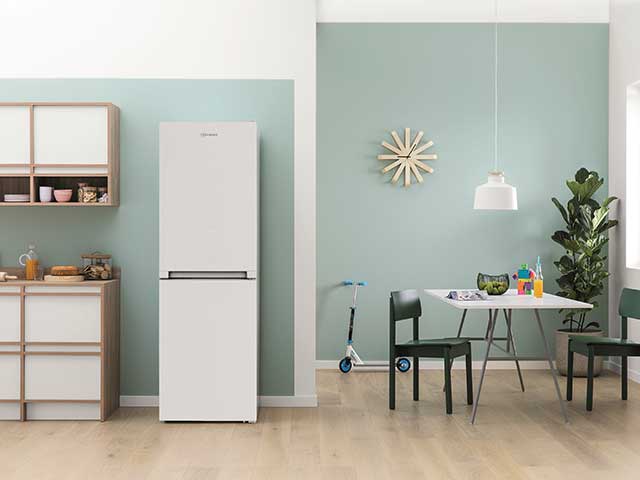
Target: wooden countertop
(19, 272)
(31, 283)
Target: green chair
(406, 305)
(592, 347)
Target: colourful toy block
(524, 276)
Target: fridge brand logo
(207, 134)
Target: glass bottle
(538, 282)
(30, 263)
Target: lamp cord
(495, 88)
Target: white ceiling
(539, 11)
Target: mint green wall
(373, 78)
(130, 232)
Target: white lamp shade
(495, 194)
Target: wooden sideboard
(59, 350)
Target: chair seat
(435, 342)
(589, 340)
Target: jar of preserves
(89, 194)
(81, 187)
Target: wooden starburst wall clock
(407, 157)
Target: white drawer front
(9, 377)
(62, 319)
(63, 411)
(10, 411)
(59, 377)
(62, 289)
(9, 319)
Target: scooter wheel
(345, 365)
(403, 364)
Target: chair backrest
(629, 303)
(405, 304)
(629, 307)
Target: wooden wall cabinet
(59, 145)
(59, 350)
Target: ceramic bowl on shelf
(62, 196)
(493, 284)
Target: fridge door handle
(188, 275)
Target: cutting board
(64, 278)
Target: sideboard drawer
(62, 377)
(10, 377)
(10, 411)
(63, 411)
(62, 318)
(9, 318)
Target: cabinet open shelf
(59, 145)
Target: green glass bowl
(493, 284)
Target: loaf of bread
(64, 270)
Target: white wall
(188, 39)
(463, 10)
(624, 54)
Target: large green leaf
(582, 175)
(561, 208)
(608, 201)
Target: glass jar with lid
(81, 187)
(89, 194)
(97, 266)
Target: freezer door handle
(238, 275)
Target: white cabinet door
(9, 318)
(71, 135)
(60, 377)
(62, 318)
(208, 350)
(14, 138)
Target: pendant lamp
(496, 194)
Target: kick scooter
(351, 357)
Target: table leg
(511, 340)
(464, 315)
(553, 370)
(486, 334)
(506, 321)
(493, 317)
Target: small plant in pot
(582, 268)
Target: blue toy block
(524, 274)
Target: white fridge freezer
(208, 271)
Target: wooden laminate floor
(352, 435)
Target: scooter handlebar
(351, 282)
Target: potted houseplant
(582, 268)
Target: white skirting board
(312, 400)
(383, 365)
(263, 401)
(614, 366)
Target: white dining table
(508, 302)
